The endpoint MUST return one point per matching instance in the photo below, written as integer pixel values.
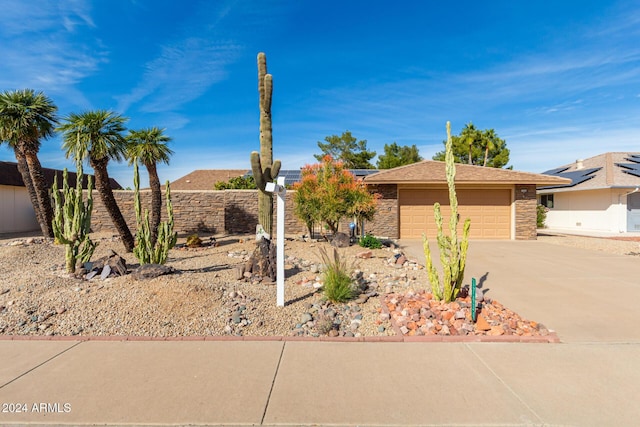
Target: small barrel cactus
(193, 241)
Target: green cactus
(453, 253)
(72, 219)
(144, 251)
(264, 168)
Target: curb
(551, 338)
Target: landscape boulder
(341, 240)
(149, 271)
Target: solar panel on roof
(576, 177)
(634, 158)
(291, 176)
(631, 168)
(556, 171)
(363, 171)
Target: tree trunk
(23, 168)
(109, 201)
(156, 201)
(42, 192)
(486, 155)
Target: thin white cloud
(39, 50)
(187, 66)
(181, 73)
(21, 17)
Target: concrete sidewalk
(591, 379)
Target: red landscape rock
(418, 313)
(482, 324)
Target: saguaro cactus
(72, 219)
(145, 251)
(453, 253)
(264, 168)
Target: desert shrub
(541, 215)
(327, 192)
(324, 324)
(338, 286)
(193, 241)
(369, 241)
(237, 183)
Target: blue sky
(559, 80)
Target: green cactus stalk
(453, 253)
(264, 168)
(72, 219)
(144, 250)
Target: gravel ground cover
(204, 297)
(613, 245)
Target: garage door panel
(489, 211)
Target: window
(547, 200)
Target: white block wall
(16, 212)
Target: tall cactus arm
(268, 93)
(256, 168)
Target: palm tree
(149, 146)
(97, 136)
(488, 140)
(27, 117)
(470, 135)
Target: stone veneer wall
(526, 202)
(385, 222)
(215, 212)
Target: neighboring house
(602, 196)
(205, 179)
(16, 211)
(501, 203)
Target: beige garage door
(489, 210)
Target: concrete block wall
(212, 212)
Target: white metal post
(281, 192)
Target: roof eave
(475, 182)
(564, 189)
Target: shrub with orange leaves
(327, 192)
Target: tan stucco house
(501, 203)
(603, 194)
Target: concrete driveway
(584, 295)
